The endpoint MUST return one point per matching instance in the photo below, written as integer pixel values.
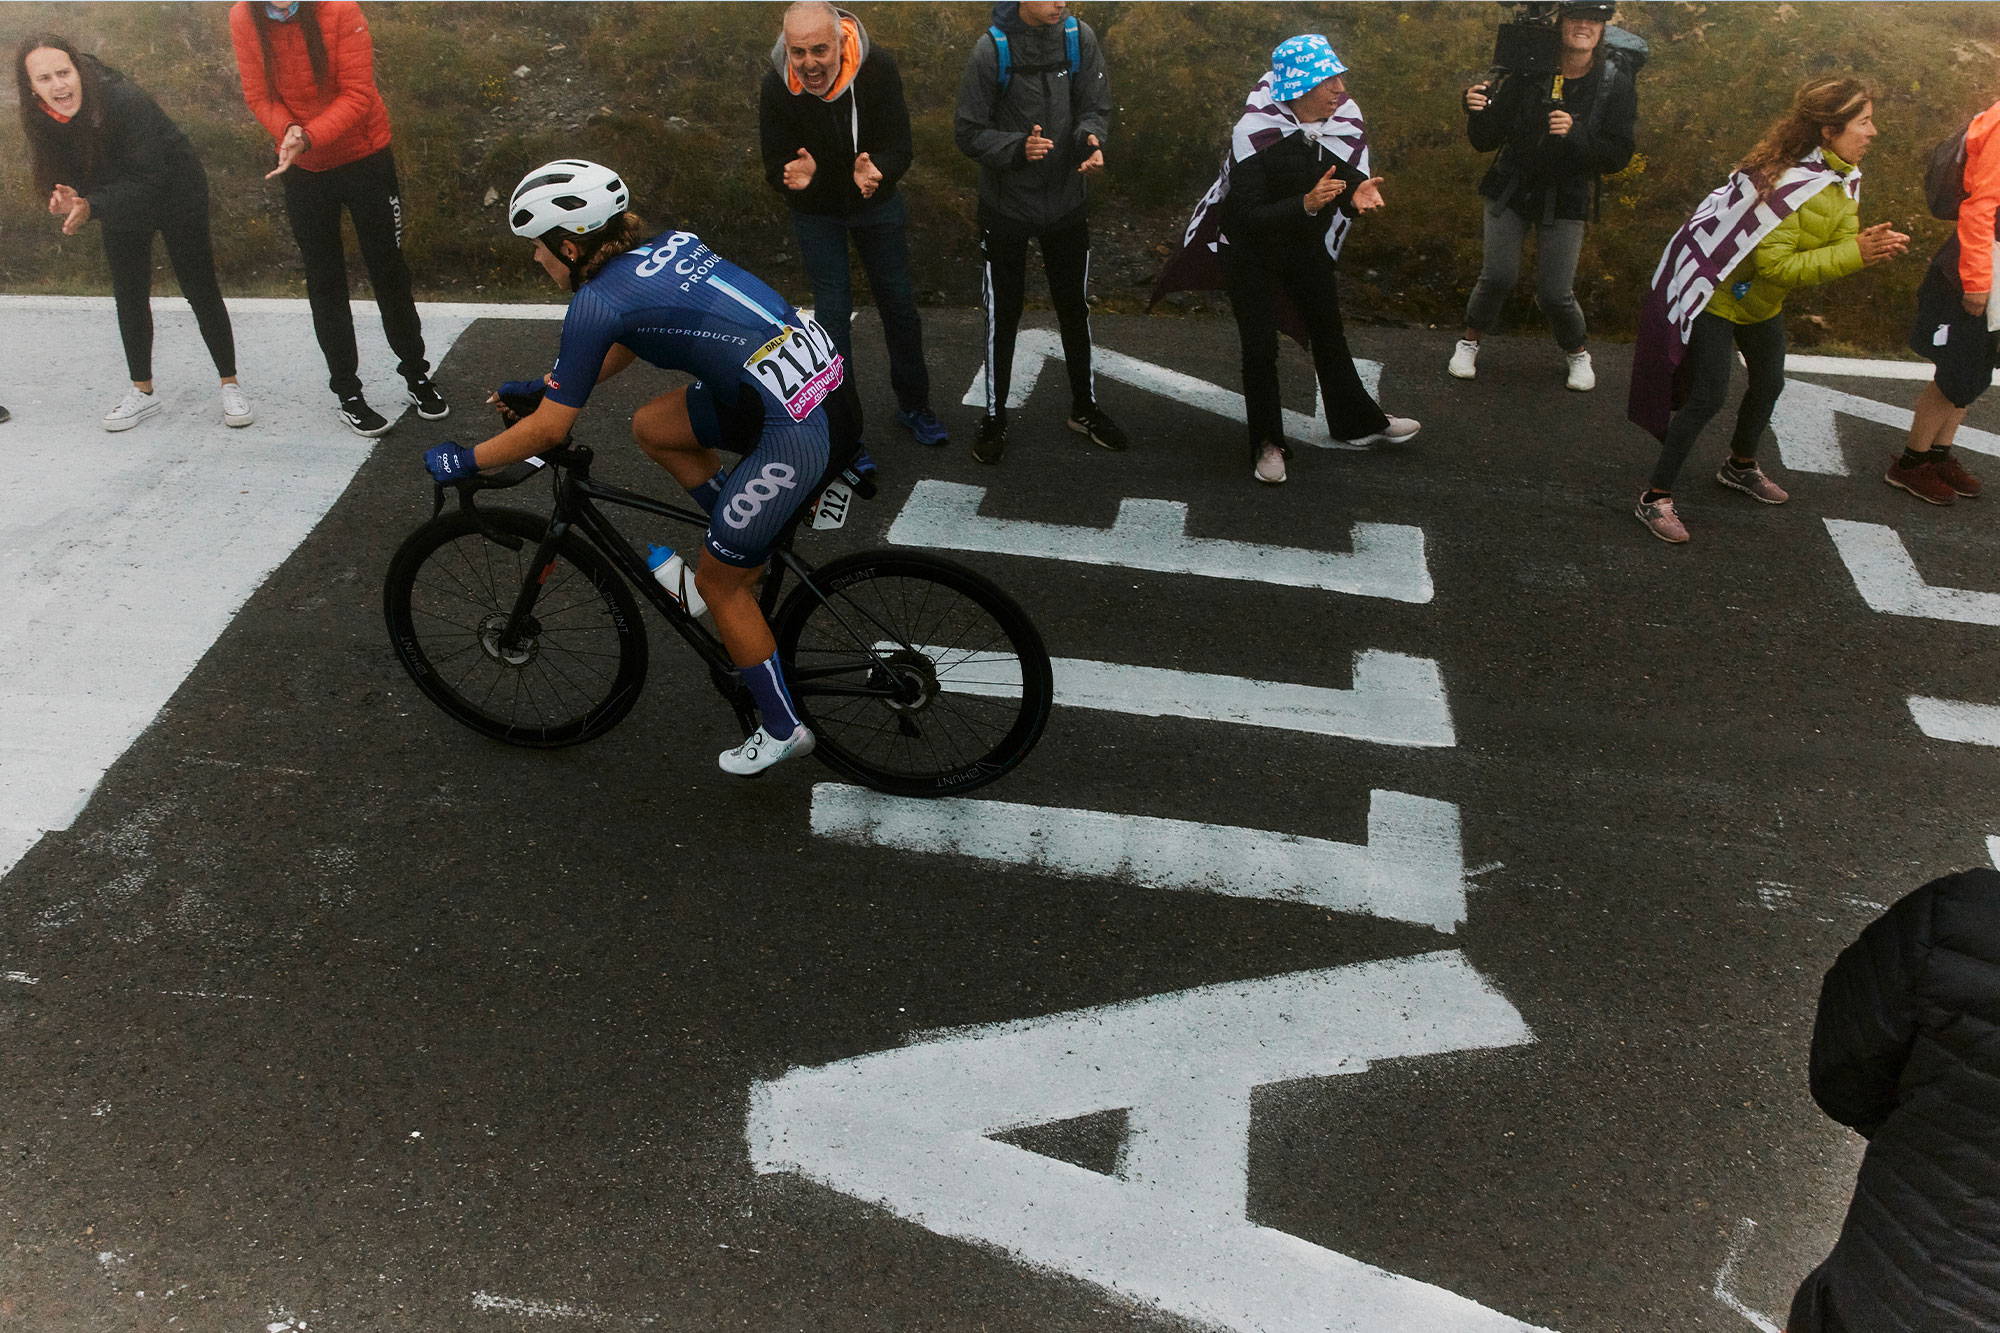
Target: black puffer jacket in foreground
(1906, 1051)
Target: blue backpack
(1072, 47)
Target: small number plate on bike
(832, 509)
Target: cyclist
(770, 386)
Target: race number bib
(799, 367)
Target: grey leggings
(1707, 369)
(1556, 251)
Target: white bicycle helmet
(569, 194)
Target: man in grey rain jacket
(1034, 110)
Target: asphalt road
(328, 1014)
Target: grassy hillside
(667, 92)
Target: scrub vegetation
(668, 92)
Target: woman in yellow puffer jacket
(1831, 121)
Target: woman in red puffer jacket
(308, 72)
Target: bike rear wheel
(573, 672)
(918, 676)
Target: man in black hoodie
(1034, 110)
(835, 136)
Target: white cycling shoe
(760, 750)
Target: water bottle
(672, 573)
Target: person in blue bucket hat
(1294, 178)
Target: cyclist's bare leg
(663, 432)
(731, 594)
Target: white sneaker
(132, 409)
(1398, 430)
(1581, 377)
(760, 750)
(1464, 363)
(1270, 465)
(235, 407)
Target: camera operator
(1556, 133)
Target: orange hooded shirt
(850, 63)
(345, 120)
(1982, 199)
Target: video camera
(1529, 44)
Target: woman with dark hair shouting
(308, 73)
(1788, 217)
(101, 149)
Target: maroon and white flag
(1263, 123)
(1725, 228)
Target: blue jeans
(882, 240)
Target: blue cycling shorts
(777, 477)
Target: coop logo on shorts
(759, 491)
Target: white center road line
(1888, 581)
(909, 1129)
(1387, 560)
(1412, 867)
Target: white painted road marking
(1396, 700)
(908, 1130)
(1954, 720)
(20, 978)
(1412, 868)
(1859, 367)
(1725, 1278)
(1387, 559)
(126, 556)
(1889, 582)
(529, 1308)
(1035, 348)
(1808, 439)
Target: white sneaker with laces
(1270, 465)
(1581, 377)
(760, 750)
(132, 409)
(1464, 362)
(1398, 430)
(235, 407)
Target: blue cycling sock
(706, 494)
(774, 704)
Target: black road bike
(918, 676)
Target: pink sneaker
(1753, 483)
(1660, 518)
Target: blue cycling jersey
(679, 305)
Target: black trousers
(1310, 281)
(1707, 368)
(130, 255)
(1066, 262)
(367, 190)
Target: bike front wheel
(917, 676)
(574, 667)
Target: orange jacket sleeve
(1982, 200)
(258, 94)
(353, 53)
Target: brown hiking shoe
(1953, 474)
(1921, 480)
